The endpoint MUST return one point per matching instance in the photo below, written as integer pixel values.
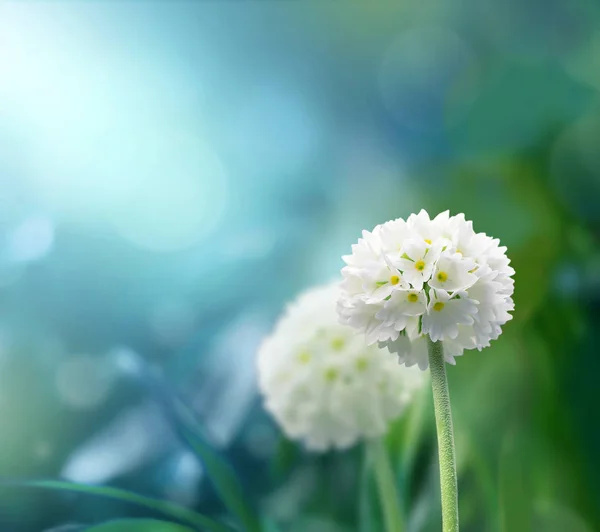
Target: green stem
(386, 485)
(445, 433)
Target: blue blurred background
(173, 172)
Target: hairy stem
(445, 434)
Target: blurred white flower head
(321, 381)
(408, 279)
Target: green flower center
(331, 374)
(337, 344)
(442, 277)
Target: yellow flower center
(362, 364)
(337, 344)
(442, 277)
(413, 298)
(394, 279)
(420, 265)
(331, 374)
(304, 357)
(428, 241)
(438, 306)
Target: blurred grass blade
(270, 526)
(515, 503)
(169, 509)
(67, 528)
(419, 420)
(138, 525)
(552, 516)
(220, 472)
(369, 517)
(386, 486)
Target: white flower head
(321, 381)
(427, 277)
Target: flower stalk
(445, 434)
(387, 487)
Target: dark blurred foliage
(173, 172)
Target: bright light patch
(31, 240)
(131, 439)
(180, 198)
(98, 140)
(184, 476)
(125, 360)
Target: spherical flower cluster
(322, 383)
(410, 279)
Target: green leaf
(138, 525)
(220, 472)
(169, 509)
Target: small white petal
(453, 272)
(446, 313)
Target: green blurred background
(173, 172)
